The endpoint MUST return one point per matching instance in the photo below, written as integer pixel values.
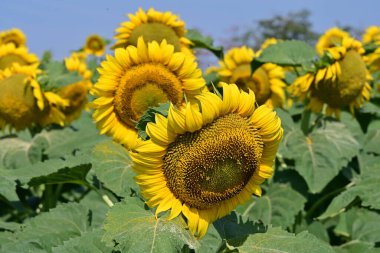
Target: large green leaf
(371, 143)
(113, 167)
(136, 229)
(320, 156)
(365, 187)
(98, 208)
(357, 247)
(200, 41)
(88, 242)
(42, 233)
(7, 187)
(291, 53)
(278, 206)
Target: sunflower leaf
(200, 41)
(112, 166)
(135, 229)
(288, 53)
(278, 206)
(320, 156)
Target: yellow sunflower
(21, 98)
(372, 34)
(77, 96)
(77, 62)
(343, 83)
(331, 38)
(52, 114)
(373, 60)
(203, 163)
(266, 82)
(10, 55)
(153, 26)
(14, 36)
(95, 45)
(138, 78)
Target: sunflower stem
(305, 121)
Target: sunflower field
(127, 145)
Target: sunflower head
(153, 26)
(205, 159)
(21, 99)
(52, 113)
(138, 78)
(331, 38)
(266, 81)
(10, 55)
(342, 83)
(95, 45)
(13, 36)
(372, 34)
(77, 63)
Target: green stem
(305, 121)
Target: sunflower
(373, 60)
(77, 62)
(21, 98)
(153, 26)
(14, 36)
(138, 78)
(10, 55)
(95, 45)
(342, 83)
(76, 95)
(372, 34)
(266, 81)
(52, 114)
(203, 163)
(331, 38)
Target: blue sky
(63, 25)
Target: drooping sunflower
(95, 45)
(52, 113)
(342, 83)
(331, 38)
(153, 26)
(14, 36)
(138, 78)
(372, 34)
(203, 163)
(266, 82)
(21, 98)
(10, 55)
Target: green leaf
(359, 224)
(320, 156)
(136, 229)
(149, 116)
(56, 75)
(50, 229)
(8, 187)
(200, 41)
(357, 247)
(371, 143)
(287, 122)
(370, 108)
(113, 167)
(88, 242)
(98, 208)
(278, 206)
(289, 53)
(211, 242)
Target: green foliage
(200, 41)
(288, 53)
(136, 229)
(56, 75)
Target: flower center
(213, 164)
(95, 45)
(258, 82)
(155, 32)
(144, 86)
(17, 102)
(348, 85)
(8, 60)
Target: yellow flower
(372, 34)
(76, 94)
(373, 60)
(138, 78)
(266, 82)
(14, 36)
(332, 38)
(343, 83)
(21, 98)
(52, 113)
(77, 62)
(153, 26)
(10, 55)
(203, 163)
(95, 45)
